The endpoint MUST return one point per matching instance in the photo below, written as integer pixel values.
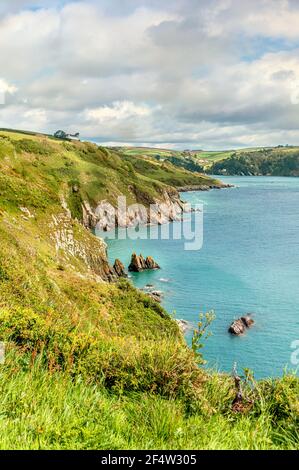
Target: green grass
(50, 410)
(97, 365)
(267, 162)
(263, 160)
(193, 160)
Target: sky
(179, 74)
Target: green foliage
(275, 162)
(173, 171)
(201, 334)
(43, 409)
(118, 363)
(75, 201)
(33, 146)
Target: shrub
(33, 146)
(120, 363)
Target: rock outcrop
(204, 187)
(106, 217)
(155, 295)
(138, 263)
(74, 242)
(239, 326)
(119, 268)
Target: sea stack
(119, 268)
(239, 326)
(138, 263)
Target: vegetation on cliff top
(263, 162)
(91, 364)
(275, 161)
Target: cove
(249, 263)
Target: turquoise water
(249, 262)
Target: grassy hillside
(274, 162)
(191, 160)
(95, 364)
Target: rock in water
(119, 268)
(138, 263)
(248, 321)
(239, 326)
(151, 263)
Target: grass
(257, 160)
(98, 365)
(87, 416)
(272, 161)
(193, 160)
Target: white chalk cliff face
(106, 217)
(77, 243)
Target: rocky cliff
(105, 216)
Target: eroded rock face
(239, 326)
(105, 217)
(72, 240)
(119, 268)
(138, 263)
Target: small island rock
(138, 263)
(239, 326)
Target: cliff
(85, 358)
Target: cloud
(119, 111)
(189, 73)
(6, 87)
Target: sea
(247, 263)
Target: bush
(120, 363)
(33, 146)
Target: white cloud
(184, 73)
(118, 110)
(6, 87)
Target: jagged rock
(138, 263)
(155, 296)
(151, 263)
(104, 216)
(239, 326)
(119, 268)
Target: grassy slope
(273, 161)
(195, 160)
(254, 160)
(97, 365)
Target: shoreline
(189, 189)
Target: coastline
(187, 189)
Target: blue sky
(179, 74)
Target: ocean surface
(249, 263)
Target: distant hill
(262, 162)
(276, 161)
